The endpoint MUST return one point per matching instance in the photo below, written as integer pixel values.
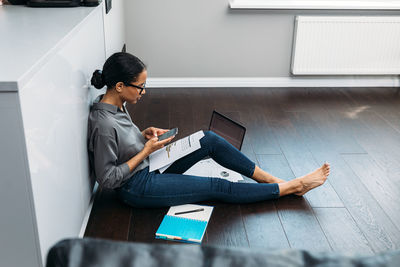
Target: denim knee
(209, 135)
(211, 139)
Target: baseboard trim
(85, 220)
(386, 81)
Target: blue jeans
(152, 189)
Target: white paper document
(176, 150)
(203, 215)
(210, 168)
(162, 169)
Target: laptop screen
(232, 131)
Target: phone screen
(168, 134)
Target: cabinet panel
(17, 221)
(55, 106)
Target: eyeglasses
(137, 86)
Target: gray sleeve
(108, 172)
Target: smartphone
(168, 134)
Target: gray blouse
(113, 139)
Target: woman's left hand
(153, 132)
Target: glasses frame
(137, 87)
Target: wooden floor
(290, 132)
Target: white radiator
(346, 45)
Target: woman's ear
(119, 86)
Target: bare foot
(313, 179)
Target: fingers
(163, 142)
(154, 131)
(161, 131)
(155, 144)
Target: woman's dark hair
(119, 67)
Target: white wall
(206, 38)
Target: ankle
(299, 185)
(291, 187)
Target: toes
(325, 172)
(327, 167)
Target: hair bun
(98, 79)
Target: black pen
(188, 211)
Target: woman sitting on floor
(119, 152)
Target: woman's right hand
(153, 144)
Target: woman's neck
(113, 100)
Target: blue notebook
(186, 227)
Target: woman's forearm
(137, 159)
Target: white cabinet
(55, 107)
(45, 187)
(114, 27)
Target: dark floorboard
(378, 183)
(373, 221)
(226, 227)
(301, 226)
(301, 162)
(290, 132)
(257, 218)
(109, 218)
(145, 223)
(339, 220)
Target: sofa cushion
(88, 252)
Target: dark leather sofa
(89, 252)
